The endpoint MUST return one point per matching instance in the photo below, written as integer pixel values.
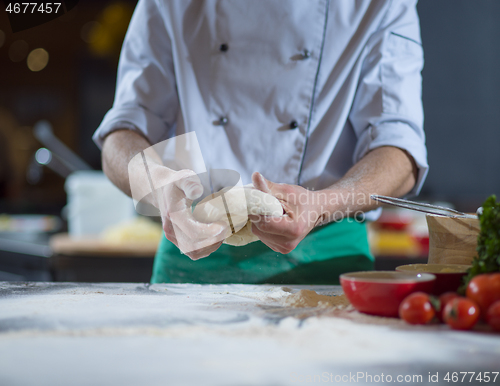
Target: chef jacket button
(294, 125)
(306, 54)
(222, 121)
(223, 47)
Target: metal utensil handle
(420, 206)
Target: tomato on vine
(484, 290)
(443, 301)
(493, 316)
(417, 308)
(461, 313)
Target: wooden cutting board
(63, 244)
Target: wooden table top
(64, 244)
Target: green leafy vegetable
(488, 241)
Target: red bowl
(448, 276)
(381, 292)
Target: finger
(191, 185)
(283, 225)
(267, 238)
(196, 230)
(169, 231)
(281, 244)
(280, 191)
(193, 235)
(190, 249)
(198, 248)
(203, 252)
(259, 182)
(195, 249)
(178, 210)
(277, 243)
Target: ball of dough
(235, 204)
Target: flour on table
(309, 298)
(266, 294)
(303, 298)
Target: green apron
(320, 258)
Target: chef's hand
(194, 238)
(302, 214)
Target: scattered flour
(309, 298)
(301, 299)
(266, 294)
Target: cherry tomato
(493, 316)
(443, 301)
(461, 313)
(416, 308)
(484, 290)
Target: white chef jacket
(298, 90)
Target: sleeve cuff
(400, 135)
(135, 118)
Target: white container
(94, 203)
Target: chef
(317, 103)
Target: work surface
(185, 334)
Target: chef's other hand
(283, 234)
(175, 198)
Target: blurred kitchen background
(57, 81)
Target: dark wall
(461, 94)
